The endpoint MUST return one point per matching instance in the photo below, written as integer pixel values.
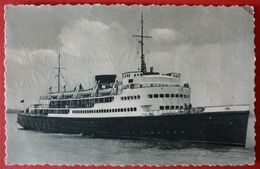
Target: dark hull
(227, 128)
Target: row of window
(130, 97)
(47, 111)
(174, 75)
(172, 107)
(129, 109)
(159, 85)
(168, 95)
(82, 103)
(136, 74)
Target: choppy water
(29, 147)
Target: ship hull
(228, 128)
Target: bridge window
(155, 96)
(167, 107)
(181, 95)
(172, 107)
(167, 95)
(150, 95)
(177, 95)
(138, 96)
(161, 95)
(177, 107)
(184, 96)
(181, 107)
(172, 95)
(134, 108)
(131, 108)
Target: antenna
(59, 72)
(141, 41)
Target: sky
(212, 47)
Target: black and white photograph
(129, 85)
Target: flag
(21, 101)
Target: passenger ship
(145, 104)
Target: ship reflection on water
(30, 147)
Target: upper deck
(135, 79)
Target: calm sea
(29, 147)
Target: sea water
(30, 147)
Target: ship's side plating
(215, 127)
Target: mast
(59, 73)
(141, 41)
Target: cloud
(99, 44)
(29, 56)
(28, 74)
(83, 34)
(88, 48)
(165, 35)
